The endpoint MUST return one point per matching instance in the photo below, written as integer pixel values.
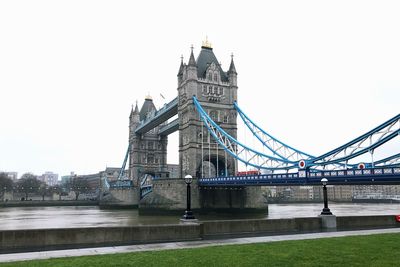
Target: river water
(72, 217)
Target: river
(92, 216)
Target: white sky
(315, 74)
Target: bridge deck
(162, 115)
(341, 177)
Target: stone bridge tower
(216, 90)
(148, 152)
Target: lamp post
(188, 213)
(325, 210)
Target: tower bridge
(209, 150)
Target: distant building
(66, 178)
(49, 178)
(12, 175)
(112, 173)
(93, 180)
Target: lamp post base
(188, 215)
(326, 211)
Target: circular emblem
(361, 166)
(302, 164)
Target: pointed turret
(148, 107)
(232, 68)
(180, 72)
(191, 69)
(134, 117)
(232, 74)
(192, 61)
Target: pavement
(12, 257)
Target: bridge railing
(357, 172)
(365, 176)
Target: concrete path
(180, 245)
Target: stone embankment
(46, 239)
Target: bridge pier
(169, 196)
(120, 197)
(232, 199)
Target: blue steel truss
(277, 147)
(146, 186)
(238, 150)
(393, 161)
(288, 157)
(367, 142)
(122, 170)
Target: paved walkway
(181, 245)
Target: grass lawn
(372, 250)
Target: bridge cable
(202, 148)
(231, 145)
(209, 154)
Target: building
(12, 175)
(216, 91)
(148, 152)
(50, 178)
(66, 178)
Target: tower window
(221, 90)
(210, 76)
(150, 145)
(214, 115)
(210, 90)
(226, 119)
(215, 77)
(215, 90)
(204, 89)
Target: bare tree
(79, 185)
(28, 184)
(6, 184)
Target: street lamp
(188, 213)
(325, 210)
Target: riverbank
(64, 238)
(346, 248)
(48, 203)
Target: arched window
(215, 77)
(214, 115)
(210, 76)
(226, 119)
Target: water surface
(92, 216)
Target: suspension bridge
(207, 121)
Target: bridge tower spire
(217, 91)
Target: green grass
(372, 250)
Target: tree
(56, 189)
(79, 185)
(6, 184)
(43, 190)
(28, 184)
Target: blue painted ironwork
(146, 186)
(376, 137)
(277, 147)
(239, 150)
(392, 161)
(171, 127)
(122, 170)
(121, 184)
(376, 176)
(160, 116)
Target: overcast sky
(315, 74)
